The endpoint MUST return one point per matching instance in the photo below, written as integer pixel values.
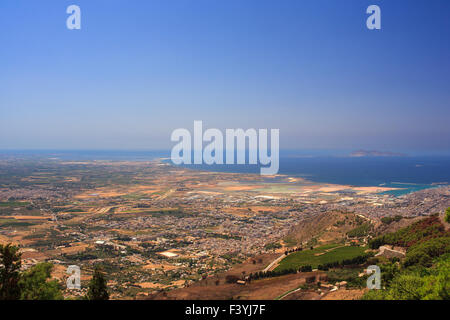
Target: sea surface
(409, 173)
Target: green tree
(388, 272)
(10, 262)
(35, 284)
(437, 285)
(447, 215)
(97, 286)
(417, 284)
(423, 253)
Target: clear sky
(137, 70)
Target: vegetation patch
(319, 256)
(272, 246)
(389, 220)
(361, 231)
(351, 275)
(419, 231)
(424, 274)
(13, 204)
(15, 223)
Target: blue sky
(137, 70)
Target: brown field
(151, 266)
(270, 288)
(151, 285)
(118, 192)
(39, 256)
(264, 289)
(303, 295)
(60, 272)
(75, 248)
(239, 188)
(27, 217)
(244, 211)
(344, 294)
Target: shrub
(231, 279)
(419, 231)
(274, 245)
(389, 220)
(360, 231)
(423, 253)
(305, 269)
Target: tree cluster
(35, 283)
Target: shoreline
(328, 187)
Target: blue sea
(410, 173)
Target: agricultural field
(319, 256)
(13, 204)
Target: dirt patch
(150, 285)
(210, 289)
(303, 295)
(27, 217)
(75, 249)
(343, 294)
(152, 266)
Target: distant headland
(374, 153)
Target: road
(274, 262)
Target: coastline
(393, 188)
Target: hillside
(424, 273)
(320, 256)
(418, 232)
(335, 270)
(328, 249)
(393, 224)
(325, 228)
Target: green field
(14, 204)
(309, 257)
(17, 223)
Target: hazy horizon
(283, 152)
